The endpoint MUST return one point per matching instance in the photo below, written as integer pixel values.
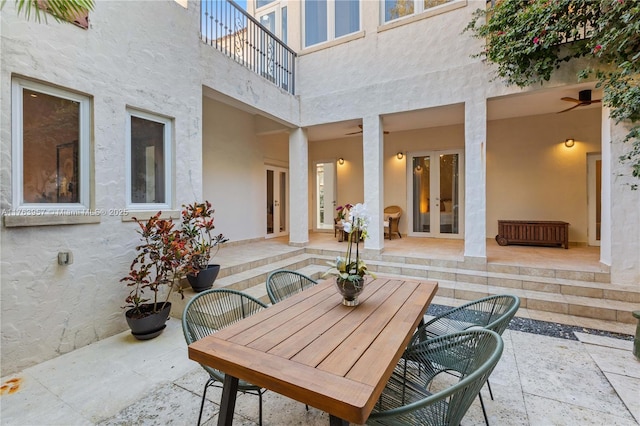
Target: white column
(373, 164)
(475, 205)
(298, 187)
(620, 238)
(605, 211)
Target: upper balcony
(231, 30)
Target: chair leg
(489, 386)
(484, 412)
(204, 396)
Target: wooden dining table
(315, 350)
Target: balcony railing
(227, 27)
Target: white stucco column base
(298, 188)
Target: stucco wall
(531, 175)
(120, 61)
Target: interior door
(277, 201)
(325, 194)
(594, 200)
(436, 194)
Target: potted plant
(161, 260)
(350, 270)
(197, 227)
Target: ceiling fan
(360, 131)
(584, 98)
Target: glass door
(277, 201)
(325, 195)
(435, 204)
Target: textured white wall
(122, 60)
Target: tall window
(149, 160)
(326, 20)
(50, 129)
(394, 9)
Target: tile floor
(540, 380)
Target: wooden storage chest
(533, 232)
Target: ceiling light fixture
(569, 142)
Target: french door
(325, 194)
(436, 193)
(277, 201)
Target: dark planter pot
(147, 324)
(204, 279)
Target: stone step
(578, 293)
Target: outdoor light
(400, 155)
(569, 142)
(341, 161)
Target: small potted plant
(350, 270)
(197, 227)
(161, 261)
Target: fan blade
(354, 133)
(569, 109)
(571, 100)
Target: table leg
(337, 421)
(228, 401)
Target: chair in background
(211, 311)
(392, 220)
(491, 312)
(284, 283)
(406, 400)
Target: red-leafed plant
(162, 260)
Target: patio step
(581, 294)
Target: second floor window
(395, 9)
(326, 20)
(149, 160)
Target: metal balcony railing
(227, 27)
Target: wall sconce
(569, 142)
(399, 155)
(341, 161)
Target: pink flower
(597, 48)
(536, 40)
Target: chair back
(406, 400)
(284, 283)
(212, 310)
(491, 312)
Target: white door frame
(329, 205)
(434, 199)
(278, 230)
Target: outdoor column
(373, 165)
(475, 199)
(298, 187)
(620, 227)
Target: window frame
(84, 145)
(168, 159)
(418, 9)
(331, 24)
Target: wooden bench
(533, 232)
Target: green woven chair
(407, 400)
(283, 283)
(213, 310)
(491, 312)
